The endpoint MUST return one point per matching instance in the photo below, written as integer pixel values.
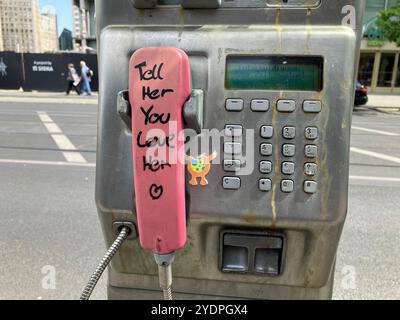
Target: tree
(389, 21)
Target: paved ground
(49, 221)
(48, 212)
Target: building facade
(1, 36)
(84, 24)
(24, 29)
(20, 23)
(48, 32)
(66, 40)
(379, 67)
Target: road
(50, 230)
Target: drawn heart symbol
(156, 191)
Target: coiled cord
(167, 293)
(104, 263)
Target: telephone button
(312, 106)
(259, 105)
(234, 104)
(288, 150)
(311, 133)
(289, 132)
(267, 132)
(234, 148)
(310, 169)
(232, 130)
(286, 105)
(231, 165)
(265, 167)
(266, 149)
(265, 185)
(287, 186)
(310, 187)
(288, 168)
(231, 183)
(311, 151)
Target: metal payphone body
(272, 233)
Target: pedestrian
(72, 79)
(86, 76)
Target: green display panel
(274, 73)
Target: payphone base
(183, 290)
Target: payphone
(261, 214)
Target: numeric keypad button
(311, 151)
(311, 133)
(310, 187)
(266, 149)
(289, 132)
(287, 186)
(265, 185)
(288, 150)
(288, 168)
(265, 167)
(310, 169)
(267, 132)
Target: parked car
(361, 96)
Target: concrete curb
(32, 100)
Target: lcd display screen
(274, 73)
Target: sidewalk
(47, 97)
(383, 101)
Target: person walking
(72, 79)
(86, 76)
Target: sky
(63, 9)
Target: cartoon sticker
(199, 167)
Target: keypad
(292, 166)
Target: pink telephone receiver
(159, 85)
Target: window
(372, 8)
(367, 61)
(391, 3)
(386, 70)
